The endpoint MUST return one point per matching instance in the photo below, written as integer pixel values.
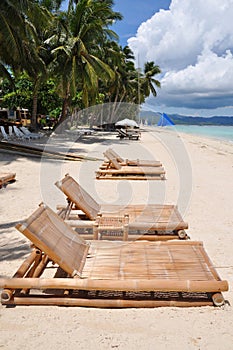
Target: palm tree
(147, 81)
(77, 64)
(20, 23)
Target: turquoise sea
(212, 131)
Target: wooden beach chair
(111, 154)
(64, 269)
(117, 171)
(5, 136)
(131, 134)
(152, 221)
(6, 178)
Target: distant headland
(152, 118)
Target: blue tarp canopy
(165, 120)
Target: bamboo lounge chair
(118, 171)
(6, 178)
(163, 221)
(111, 154)
(131, 134)
(108, 274)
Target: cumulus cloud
(192, 42)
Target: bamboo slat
(108, 303)
(133, 285)
(132, 237)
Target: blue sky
(134, 13)
(192, 42)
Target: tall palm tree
(20, 22)
(147, 81)
(77, 62)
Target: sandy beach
(199, 179)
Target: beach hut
(165, 120)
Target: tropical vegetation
(55, 61)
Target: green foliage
(48, 100)
(71, 58)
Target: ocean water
(212, 131)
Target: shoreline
(199, 179)
(196, 134)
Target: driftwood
(6, 178)
(35, 151)
(111, 274)
(153, 218)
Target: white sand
(199, 179)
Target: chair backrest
(10, 129)
(4, 134)
(76, 194)
(116, 155)
(48, 232)
(122, 132)
(25, 130)
(18, 133)
(112, 160)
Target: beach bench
(4, 134)
(118, 171)
(6, 178)
(110, 155)
(149, 221)
(64, 269)
(130, 134)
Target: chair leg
(95, 231)
(125, 232)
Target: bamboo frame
(111, 225)
(115, 169)
(119, 303)
(153, 217)
(111, 154)
(138, 267)
(131, 134)
(134, 285)
(130, 172)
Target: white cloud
(192, 42)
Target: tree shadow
(12, 246)
(10, 253)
